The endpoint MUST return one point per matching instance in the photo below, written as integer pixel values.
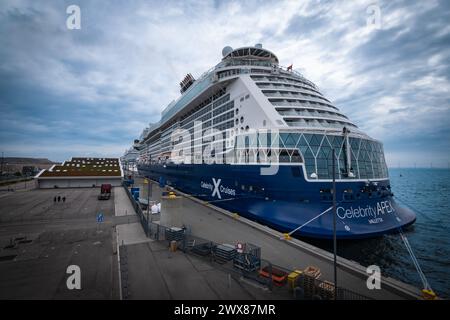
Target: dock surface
(208, 222)
(57, 235)
(40, 238)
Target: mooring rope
(309, 221)
(426, 284)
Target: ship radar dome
(226, 50)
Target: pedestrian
(59, 198)
(54, 199)
(64, 199)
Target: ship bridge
(256, 53)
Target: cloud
(101, 85)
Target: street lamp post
(1, 165)
(334, 225)
(148, 203)
(149, 195)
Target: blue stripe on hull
(285, 201)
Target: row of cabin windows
(295, 94)
(304, 111)
(204, 103)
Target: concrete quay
(207, 221)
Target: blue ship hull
(286, 200)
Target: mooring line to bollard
(425, 283)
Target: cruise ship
(258, 139)
(129, 159)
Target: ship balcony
(313, 115)
(318, 117)
(309, 123)
(290, 101)
(293, 94)
(306, 110)
(280, 85)
(285, 81)
(292, 89)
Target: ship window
(242, 119)
(264, 123)
(247, 96)
(237, 121)
(247, 128)
(243, 187)
(242, 99)
(284, 156)
(250, 188)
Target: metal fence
(245, 263)
(143, 218)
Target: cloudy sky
(91, 91)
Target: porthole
(237, 121)
(247, 128)
(237, 111)
(242, 119)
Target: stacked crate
(203, 249)
(277, 275)
(225, 252)
(308, 279)
(293, 279)
(174, 233)
(326, 290)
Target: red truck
(105, 192)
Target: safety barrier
(137, 208)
